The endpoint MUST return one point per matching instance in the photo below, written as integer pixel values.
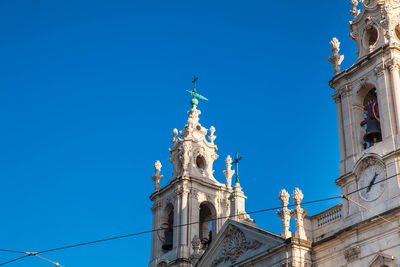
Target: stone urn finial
(335, 59)
(284, 197)
(157, 177)
(297, 196)
(212, 137)
(299, 213)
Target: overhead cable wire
(371, 211)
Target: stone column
(284, 214)
(299, 214)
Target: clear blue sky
(91, 90)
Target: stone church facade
(198, 221)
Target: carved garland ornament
(234, 245)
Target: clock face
(372, 182)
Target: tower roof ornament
(355, 11)
(194, 93)
(236, 162)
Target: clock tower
(367, 97)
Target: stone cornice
(174, 183)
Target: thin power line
(371, 211)
(175, 226)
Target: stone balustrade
(329, 216)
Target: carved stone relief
(352, 253)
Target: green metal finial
(236, 162)
(195, 95)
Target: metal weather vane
(236, 162)
(194, 93)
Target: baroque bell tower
(367, 97)
(191, 208)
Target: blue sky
(91, 90)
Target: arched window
(371, 121)
(207, 226)
(168, 226)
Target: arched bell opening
(207, 224)
(371, 118)
(167, 224)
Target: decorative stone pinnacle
(194, 102)
(297, 196)
(157, 177)
(335, 59)
(285, 213)
(212, 137)
(299, 213)
(355, 11)
(284, 197)
(157, 167)
(228, 172)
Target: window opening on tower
(206, 225)
(169, 232)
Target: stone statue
(336, 59)
(157, 177)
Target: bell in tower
(371, 122)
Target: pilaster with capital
(155, 241)
(386, 101)
(338, 101)
(285, 213)
(299, 213)
(350, 125)
(394, 65)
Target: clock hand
(372, 183)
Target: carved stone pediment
(237, 242)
